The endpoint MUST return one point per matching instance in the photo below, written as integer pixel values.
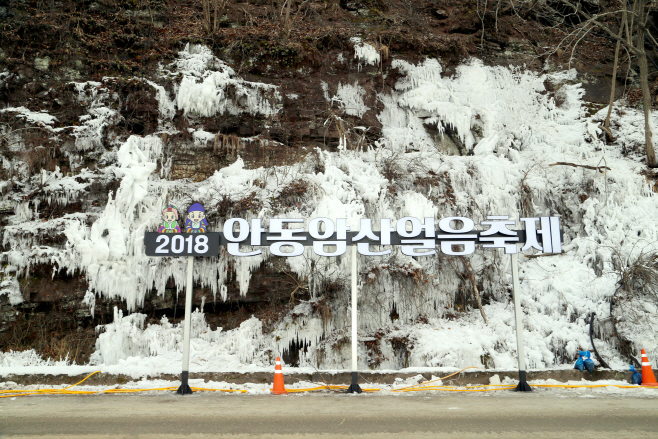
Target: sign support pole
(184, 388)
(354, 387)
(518, 315)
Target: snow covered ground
(514, 125)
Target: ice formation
(515, 130)
(350, 99)
(38, 118)
(209, 87)
(365, 52)
(89, 134)
(127, 337)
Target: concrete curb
(464, 378)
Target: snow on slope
(350, 98)
(365, 52)
(515, 129)
(209, 87)
(40, 118)
(126, 337)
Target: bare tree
(212, 13)
(637, 285)
(632, 34)
(476, 293)
(287, 20)
(614, 72)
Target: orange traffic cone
(279, 388)
(648, 378)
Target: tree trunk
(206, 15)
(286, 22)
(215, 25)
(476, 293)
(646, 103)
(644, 83)
(614, 69)
(612, 86)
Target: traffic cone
(279, 388)
(648, 378)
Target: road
(503, 415)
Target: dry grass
(227, 143)
(637, 275)
(293, 194)
(51, 335)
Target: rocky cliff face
(110, 110)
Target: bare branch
(601, 169)
(595, 20)
(543, 255)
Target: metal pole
(184, 388)
(354, 387)
(523, 383)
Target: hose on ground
(421, 387)
(438, 379)
(66, 391)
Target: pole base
(184, 388)
(354, 387)
(523, 385)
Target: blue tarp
(584, 361)
(637, 376)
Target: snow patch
(209, 86)
(126, 341)
(39, 118)
(350, 99)
(365, 52)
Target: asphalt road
(504, 415)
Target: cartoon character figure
(196, 219)
(170, 223)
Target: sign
(329, 238)
(181, 244)
(454, 236)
